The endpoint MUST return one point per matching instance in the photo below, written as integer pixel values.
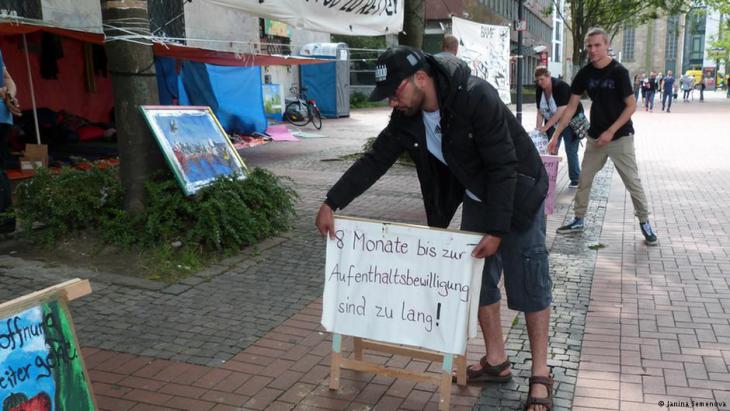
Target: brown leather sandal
(487, 372)
(546, 402)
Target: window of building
(697, 50)
(557, 52)
(629, 42)
(558, 30)
(670, 49)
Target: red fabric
(223, 58)
(20, 28)
(90, 133)
(68, 92)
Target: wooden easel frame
(442, 380)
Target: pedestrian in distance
(449, 45)
(468, 148)
(702, 90)
(638, 79)
(668, 85)
(611, 134)
(551, 98)
(650, 85)
(687, 85)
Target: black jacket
(488, 152)
(561, 94)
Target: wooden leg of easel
(357, 348)
(460, 363)
(336, 361)
(445, 386)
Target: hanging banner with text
(402, 284)
(349, 17)
(485, 49)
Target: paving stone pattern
(571, 266)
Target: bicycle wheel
(316, 117)
(296, 113)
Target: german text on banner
(486, 49)
(402, 284)
(351, 17)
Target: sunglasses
(396, 93)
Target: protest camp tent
(229, 83)
(58, 69)
(328, 83)
(65, 70)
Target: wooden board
(443, 380)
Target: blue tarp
(233, 93)
(166, 80)
(320, 81)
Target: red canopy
(221, 58)
(224, 58)
(24, 28)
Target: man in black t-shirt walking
(611, 133)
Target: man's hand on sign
(487, 246)
(325, 221)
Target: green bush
(360, 100)
(68, 201)
(174, 230)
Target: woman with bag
(7, 109)
(552, 97)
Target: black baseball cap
(394, 65)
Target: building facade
(678, 43)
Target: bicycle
(302, 111)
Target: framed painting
(194, 144)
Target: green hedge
(221, 218)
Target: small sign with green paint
(41, 368)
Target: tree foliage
(722, 43)
(613, 16)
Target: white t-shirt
(547, 107)
(432, 123)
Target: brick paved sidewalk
(658, 327)
(286, 369)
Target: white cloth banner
(402, 284)
(351, 17)
(486, 49)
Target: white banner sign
(486, 49)
(351, 17)
(402, 284)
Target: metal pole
(520, 17)
(32, 92)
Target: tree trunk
(134, 83)
(414, 23)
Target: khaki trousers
(622, 153)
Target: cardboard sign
(41, 367)
(402, 284)
(35, 156)
(551, 164)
